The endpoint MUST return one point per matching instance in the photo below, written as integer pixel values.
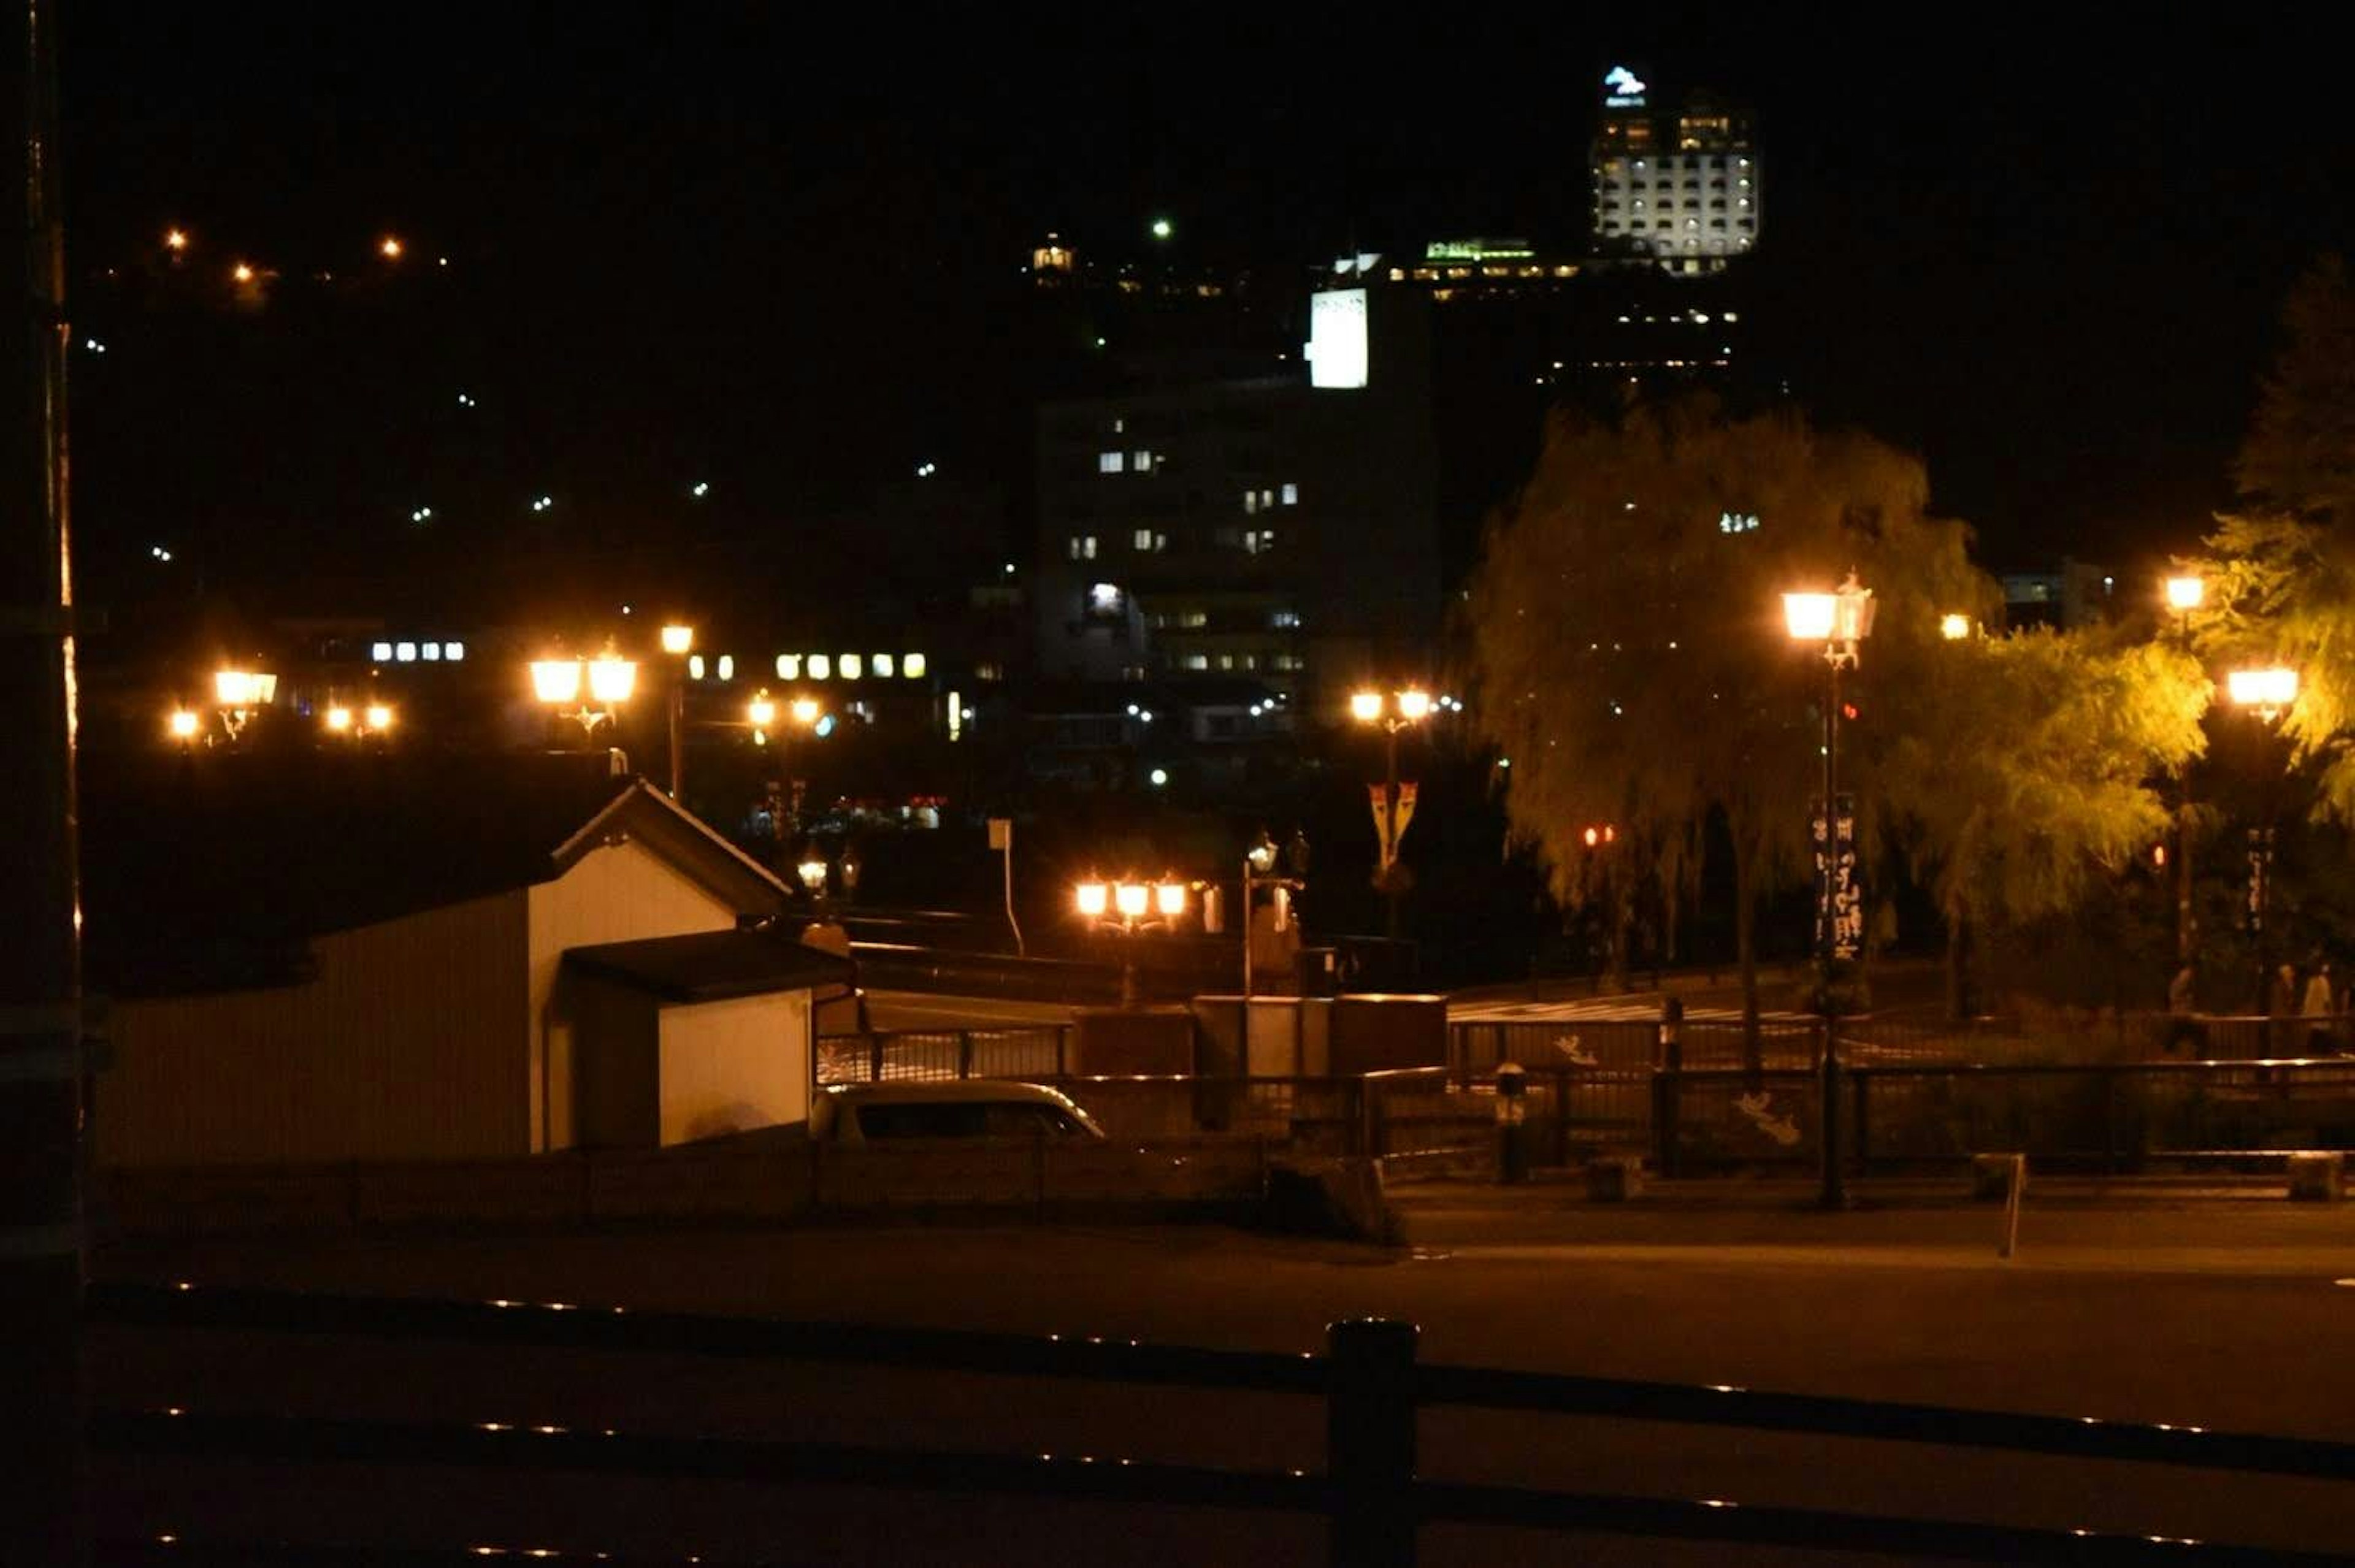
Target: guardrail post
(1835, 1193)
(1560, 1117)
(1062, 1050)
(1861, 1112)
(875, 1057)
(1666, 1087)
(964, 1053)
(1369, 1443)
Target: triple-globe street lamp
(1395, 712)
(1127, 909)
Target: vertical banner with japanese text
(1839, 895)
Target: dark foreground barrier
(1370, 1381)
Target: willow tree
(2027, 770)
(1626, 635)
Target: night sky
(772, 252)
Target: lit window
(430, 653)
(989, 670)
(381, 652)
(820, 668)
(882, 664)
(912, 666)
(728, 666)
(1285, 661)
(453, 652)
(1087, 547)
(1072, 547)
(789, 666)
(404, 652)
(1251, 501)
(1226, 661)
(1110, 462)
(1144, 461)
(851, 665)
(1292, 494)
(695, 666)
(1195, 661)
(1285, 618)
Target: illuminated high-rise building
(1679, 188)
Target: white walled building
(1682, 186)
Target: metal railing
(1369, 1379)
(877, 1056)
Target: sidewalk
(2155, 1225)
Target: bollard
(1512, 1109)
(1369, 1441)
(1835, 1193)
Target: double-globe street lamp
(2267, 692)
(609, 679)
(1394, 712)
(1127, 909)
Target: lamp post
(1394, 713)
(343, 722)
(1839, 621)
(1258, 861)
(677, 642)
(1127, 909)
(609, 678)
(239, 694)
(2184, 594)
(2265, 692)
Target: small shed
(677, 1038)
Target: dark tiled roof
(711, 965)
(218, 869)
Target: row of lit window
(1192, 620)
(1433, 274)
(1667, 183)
(817, 666)
(1663, 245)
(1244, 662)
(414, 652)
(1254, 501)
(1612, 224)
(1124, 462)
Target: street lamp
(677, 642)
(763, 713)
(2265, 692)
(1839, 621)
(1393, 713)
(2184, 592)
(238, 693)
(183, 725)
(1258, 861)
(1955, 628)
(610, 680)
(1127, 909)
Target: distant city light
(542, 503)
(93, 345)
(421, 514)
(183, 724)
(465, 401)
(240, 273)
(404, 652)
(159, 552)
(339, 720)
(453, 653)
(381, 652)
(1159, 776)
(389, 247)
(699, 489)
(175, 241)
(377, 716)
(926, 470)
(1161, 228)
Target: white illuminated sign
(1336, 338)
(1623, 89)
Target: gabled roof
(222, 869)
(711, 965)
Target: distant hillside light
(240, 273)
(1162, 228)
(175, 241)
(389, 247)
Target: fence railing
(1370, 1381)
(877, 1056)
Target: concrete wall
(621, 892)
(734, 1066)
(409, 1045)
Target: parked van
(859, 1115)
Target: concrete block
(2318, 1176)
(1991, 1177)
(1614, 1179)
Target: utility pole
(41, 1066)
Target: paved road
(2217, 1311)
